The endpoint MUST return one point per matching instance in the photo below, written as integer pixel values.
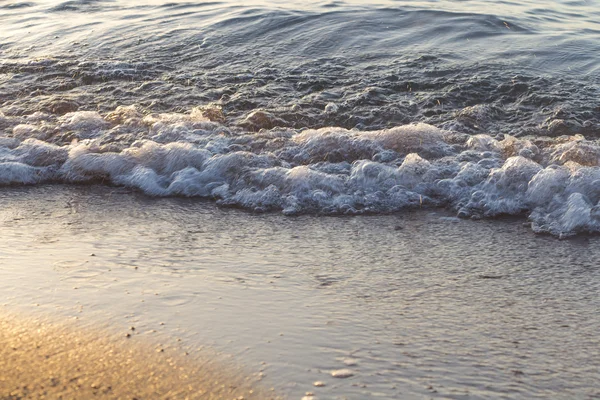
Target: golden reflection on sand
(39, 359)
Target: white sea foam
(86, 124)
(555, 182)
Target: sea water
(385, 156)
(324, 107)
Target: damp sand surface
(407, 305)
(45, 359)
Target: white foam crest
(333, 144)
(87, 124)
(219, 171)
(40, 154)
(554, 181)
(338, 143)
(29, 162)
(24, 131)
(372, 176)
(504, 191)
(192, 183)
(295, 190)
(424, 139)
(580, 151)
(4, 121)
(565, 200)
(8, 143)
(169, 158)
(483, 143)
(85, 167)
(18, 173)
(564, 218)
(546, 184)
(415, 170)
(126, 115)
(146, 179)
(170, 127)
(302, 179)
(263, 200)
(40, 117)
(195, 116)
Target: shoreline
(41, 358)
(408, 303)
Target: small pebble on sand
(319, 384)
(342, 373)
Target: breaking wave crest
(554, 181)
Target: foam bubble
(19, 173)
(87, 124)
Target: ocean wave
(331, 170)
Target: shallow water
(420, 304)
(322, 107)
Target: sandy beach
(45, 360)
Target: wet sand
(415, 305)
(42, 359)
